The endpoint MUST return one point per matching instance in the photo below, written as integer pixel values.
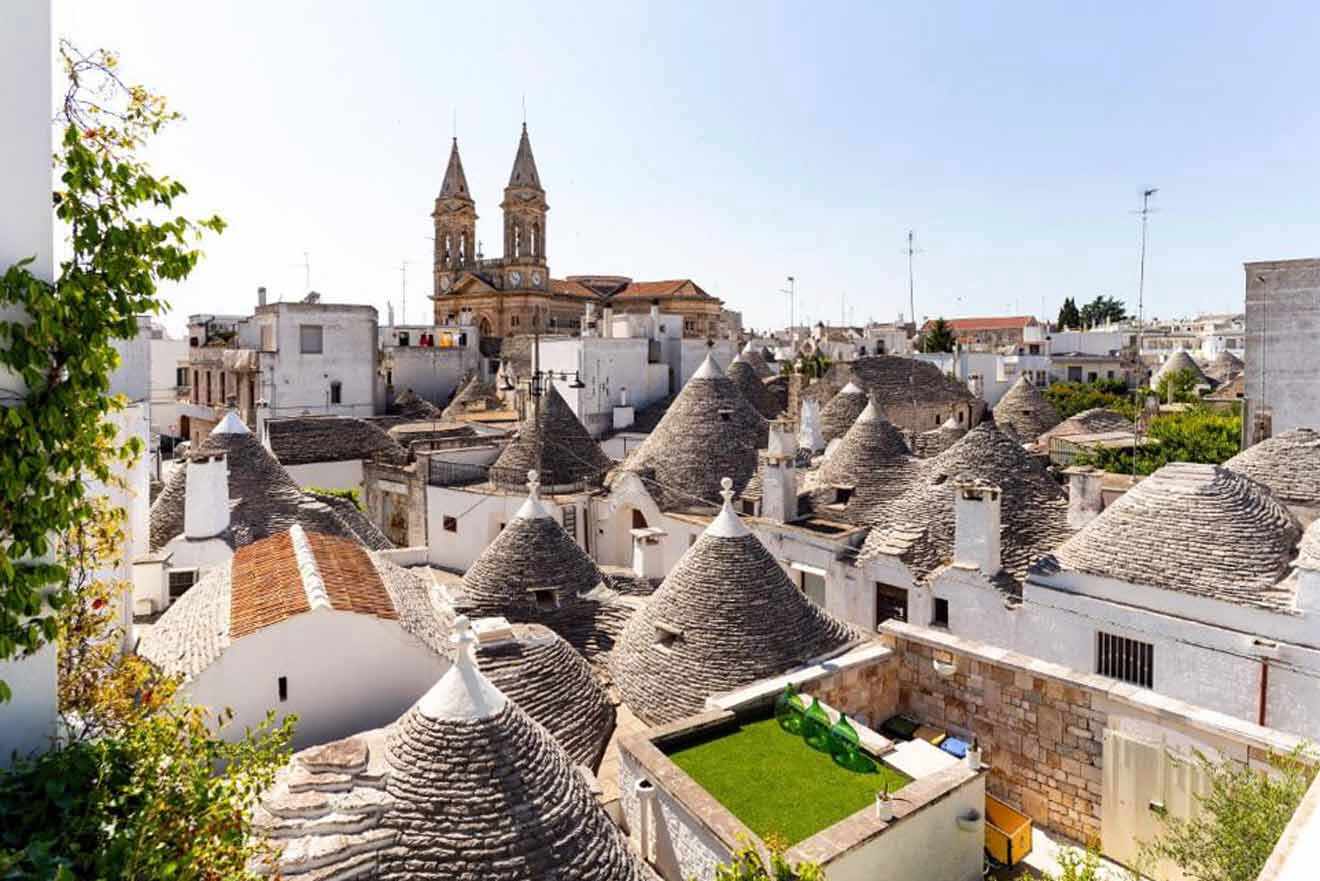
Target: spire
(463, 693)
(524, 166)
(455, 185)
(231, 424)
(727, 524)
(532, 508)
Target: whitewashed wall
(684, 848)
(328, 475)
(299, 383)
(480, 518)
(350, 673)
(431, 373)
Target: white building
(430, 361)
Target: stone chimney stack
(206, 496)
(778, 463)
(976, 385)
(1085, 495)
(607, 322)
(261, 295)
(589, 321)
(809, 434)
(655, 319)
(976, 526)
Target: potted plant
(884, 804)
(974, 755)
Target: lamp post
(791, 290)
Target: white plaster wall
(346, 673)
(202, 555)
(29, 719)
(132, 378)
(606, 367)
(976, 609)
(479, 516)
(430, 372)
(684, 848)
(928, 844)
(166, 353)
(693, 352)
(295, 383)
(329, 475)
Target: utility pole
(791, 290)
(911, 250)
(1145, 213)
(403, 282)
(307, 272)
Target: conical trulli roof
(919, 525)
(1097, 420)
(872, 458)
(474, 395)
(726, 616)
(709, 431)
(532, 571)
(752, 388)
(754, 359)
(263, 499)
(1225, 367)
(1176, 363)
(842, 411)
(926, 444)
(463, 785)
(553, 684)
(552, 441)
(1202, 529)
(1024, 413)
(1288, 463)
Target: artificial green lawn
(777, 785)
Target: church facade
(515, 294)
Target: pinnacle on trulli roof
(532, 508)
(708, 369)
(463, 692)
(727, 524)
(231, 424)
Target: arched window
(517, 240)
(538, 246)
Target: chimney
(607, 322)
(389, 314)
(778, 463)
(976, 526)
(976, 385)
(206, 496)
(1085, 495)
(1308, 582)
(648, 552)
(589, 320)
(261, 295)
(655, 319)
(809, 435)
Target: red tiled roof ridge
(984, 323)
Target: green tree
(748, 865)
(1196, 435)
(1103, 310)
(352, 494)
(1069, 317)
(1182, 385)
(123, 239)
(1240, 820)
(939, 338)
(1071, 398)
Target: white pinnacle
(727, 524)
(708, 369)
(532, 509)
(463, 693)
(231, 424)
(850, 389)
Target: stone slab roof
(1288, 463)
(873, 459)
(302, 439)
(463, 785)
(1200, 529)
(710, 431)
(725, 616)
(841, 411)
(891, 380)
(753, 389)
(919, 525)
(1097, 420)
(552, 683)
(263, 499)
(552, 442)
(474, 396)
(926, 444)
(1024, 413)
(1224, 367)
(753, 357)
(1177, 362)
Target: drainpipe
(645, 791)
(1264, 690)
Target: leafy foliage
(747, 865)
(813, 366)
(939, 338)
(1195, 435)
(1103, 310)
(1240, 821)
(352, 494)
(1182, 384)
(1078, 865)
(133, 791)
(54, 435)
(1069, 317)
(1071, 398)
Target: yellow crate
(1007, 832)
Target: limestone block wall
(868, 693)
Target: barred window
(309, 339)
(1126, 659)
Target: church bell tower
(455, 217)
(524, 209)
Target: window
(284, 688)
(309, 339)
(545, 600)
(689, 326)
(515, 320)
(1126, 659)
(267, 338)
(196, 389)
(813, 586)
(665, 636)
(336, 392)
(180, 581)
(208, 386)
(726, 415)
(181, 376)
(404, 338)
(842, 494)
(890, 603)
(941, 616)
(451, 524)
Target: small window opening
(545, 600)
(284, 688)
(726, 415)
(665, 637)
(842, 494)
(180, 581)
(336, 392)
(451, 524)
(941, 617)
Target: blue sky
(736, 144)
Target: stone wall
(395, 500)
(868, 693)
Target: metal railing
(460, 474)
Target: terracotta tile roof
(968, 325)
(351, 580)
(571, 288)
(681, 287)
(266, 586)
